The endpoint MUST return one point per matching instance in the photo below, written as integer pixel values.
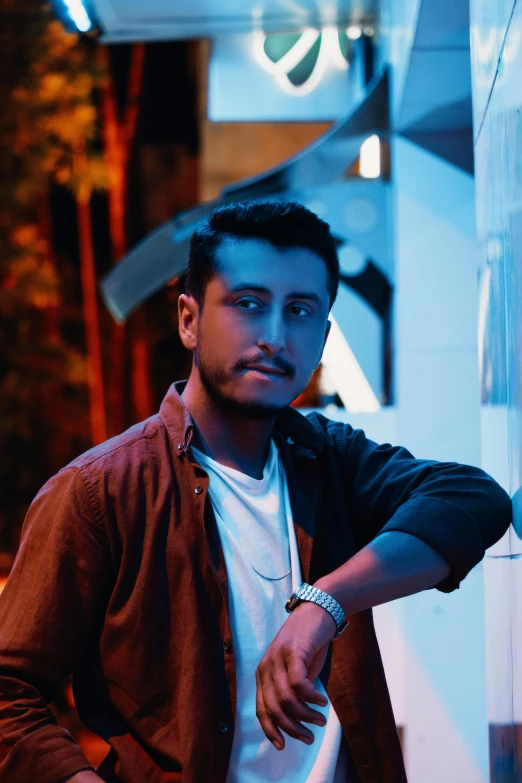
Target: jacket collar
(290, 424)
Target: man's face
(263, 326)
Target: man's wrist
(326, 585)
(317, 619)
(329, 584)
(307, 594)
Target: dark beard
(251, 410)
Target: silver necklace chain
(257, 571)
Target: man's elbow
(500, 516)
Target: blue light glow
(78, 15)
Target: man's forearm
(392, 566)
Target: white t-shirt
(260, 549)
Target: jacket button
(223, 727)
(226, 645)
(199, 489)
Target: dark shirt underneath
(120, 579)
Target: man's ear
(188, 312)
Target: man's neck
(230, 438)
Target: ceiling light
(78, 15)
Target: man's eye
(247, 304)
(299, 310)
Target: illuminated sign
(312, 74)
(300, 60)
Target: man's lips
(264, 368)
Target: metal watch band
(306, 592)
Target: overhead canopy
(135, 20)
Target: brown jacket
(120, 579)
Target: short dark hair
(284, 224)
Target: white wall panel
(499, 217)
(438, 411)
(447, 731)
(497, 76)
(438, 416)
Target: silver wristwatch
(306, 592)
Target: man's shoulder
(130, 446)
(333, 432)
(314, 431)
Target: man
(157, 566)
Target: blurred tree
(47, 130)
(119, 127)
(52, 218)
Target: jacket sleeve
(458, 510)
(47, 610)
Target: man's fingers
(271, 731)
(301, 685)
(295, 707)
(284, 693)
(282, 719)
(277, 717)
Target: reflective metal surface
(496, 48)
(499, 219)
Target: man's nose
(273, 338)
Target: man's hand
(393, 565)
(85, 776)
(287, 671)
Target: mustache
(279, 364)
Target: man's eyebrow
(263, 290)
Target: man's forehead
(257, 260)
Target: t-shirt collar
(290, 423)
